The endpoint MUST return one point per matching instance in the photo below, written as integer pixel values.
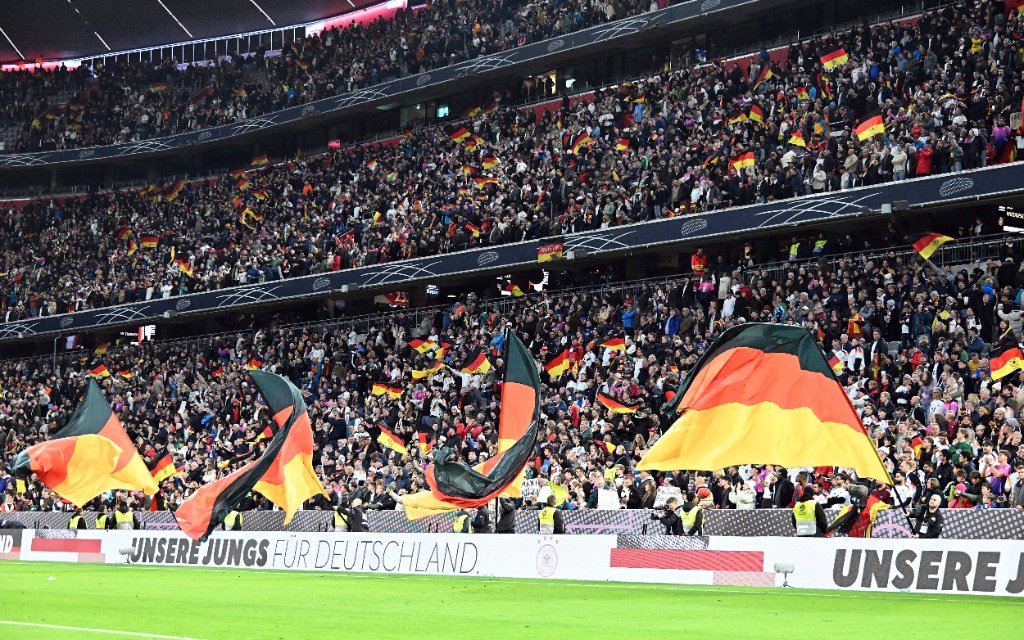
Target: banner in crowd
(986, 567)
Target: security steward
(809, 517)
(77, 521)
(550, 520)
(233, 521)
(352, 520)
(691, 514)
(101, 519)
(124, 518)
(462, 521)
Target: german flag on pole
(99, 372)
(836, 58)
(614, 405)
(514, 289)
(617, 343)
(1006, 357)
(382, 388)
(253, 364)
(78, 469)
(476, 362)
(290, 480)
(459, 134)
(174, 191)
(927, 244)
(558, 365)
(391, 441)
(260, 161)
(453, 485)
(797, 139)
(622, 145)
(149, 242)
(870, 128)
(764, 392)
(90, 455)
(162, 468)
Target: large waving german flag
(614, 405)
(78, 469)
(453, 485)
(290, 480)
(1006, 357)
(558, 365)
(763, 393)
(73, 467)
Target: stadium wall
(958, 524)
(919, 566)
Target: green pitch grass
(106, 602)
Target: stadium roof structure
(73, 29)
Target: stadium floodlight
(785, 569)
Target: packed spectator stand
(944, 85)
(940, 423)
(112, 102)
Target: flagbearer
(233, 521)
(809, 517)
(77, 521)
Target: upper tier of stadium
(944, 86)
(111, 102)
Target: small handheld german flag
(476, 362)
(163, 468)
(616, 343)
(1006, 357)
(391, 441)
(928, 243)
(558, 365)
(614, 405)
(382, 388)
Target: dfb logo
(321, 283)
(182, 304)
(486, 258)
(423, 80)
(66, 322)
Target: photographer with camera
(687, 519)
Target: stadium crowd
(114, 102)
(944, 85)
(910, 346)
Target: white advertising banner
(981, 567)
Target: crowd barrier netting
(963, 524)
